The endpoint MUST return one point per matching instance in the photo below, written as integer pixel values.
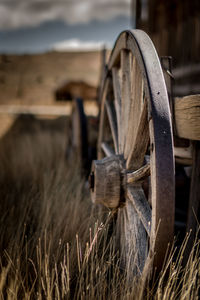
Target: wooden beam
(194, 201)
(187, 117)
(43, 110)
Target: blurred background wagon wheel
(78, 141)
(134, 173)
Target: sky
(42, 25)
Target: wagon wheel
(134, 173)
(78, 138)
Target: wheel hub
(106, 181)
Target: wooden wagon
(147, 169)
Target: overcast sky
(39, 25)
(23, 13)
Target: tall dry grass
(53, 243)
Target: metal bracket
(166, 63)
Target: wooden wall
(174, 27)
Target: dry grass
(53, 244)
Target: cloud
(76, 45)
(24, 13)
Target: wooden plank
(194, 201)
(48, 110)
(183, 155)
(183, 152)
(187, 117)
(90, 107)
(186, 71)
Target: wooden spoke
(139, 142)
(138, 199)
(140, 174)
(107, 149)
(102, 119)
(136, 105)
(117, 101)
(126, 94)
(132, 236)
(116, 86)
(113, 122)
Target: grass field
(54, 244)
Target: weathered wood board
(187, 117)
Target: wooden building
(174, 27)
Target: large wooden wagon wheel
(134, 173)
